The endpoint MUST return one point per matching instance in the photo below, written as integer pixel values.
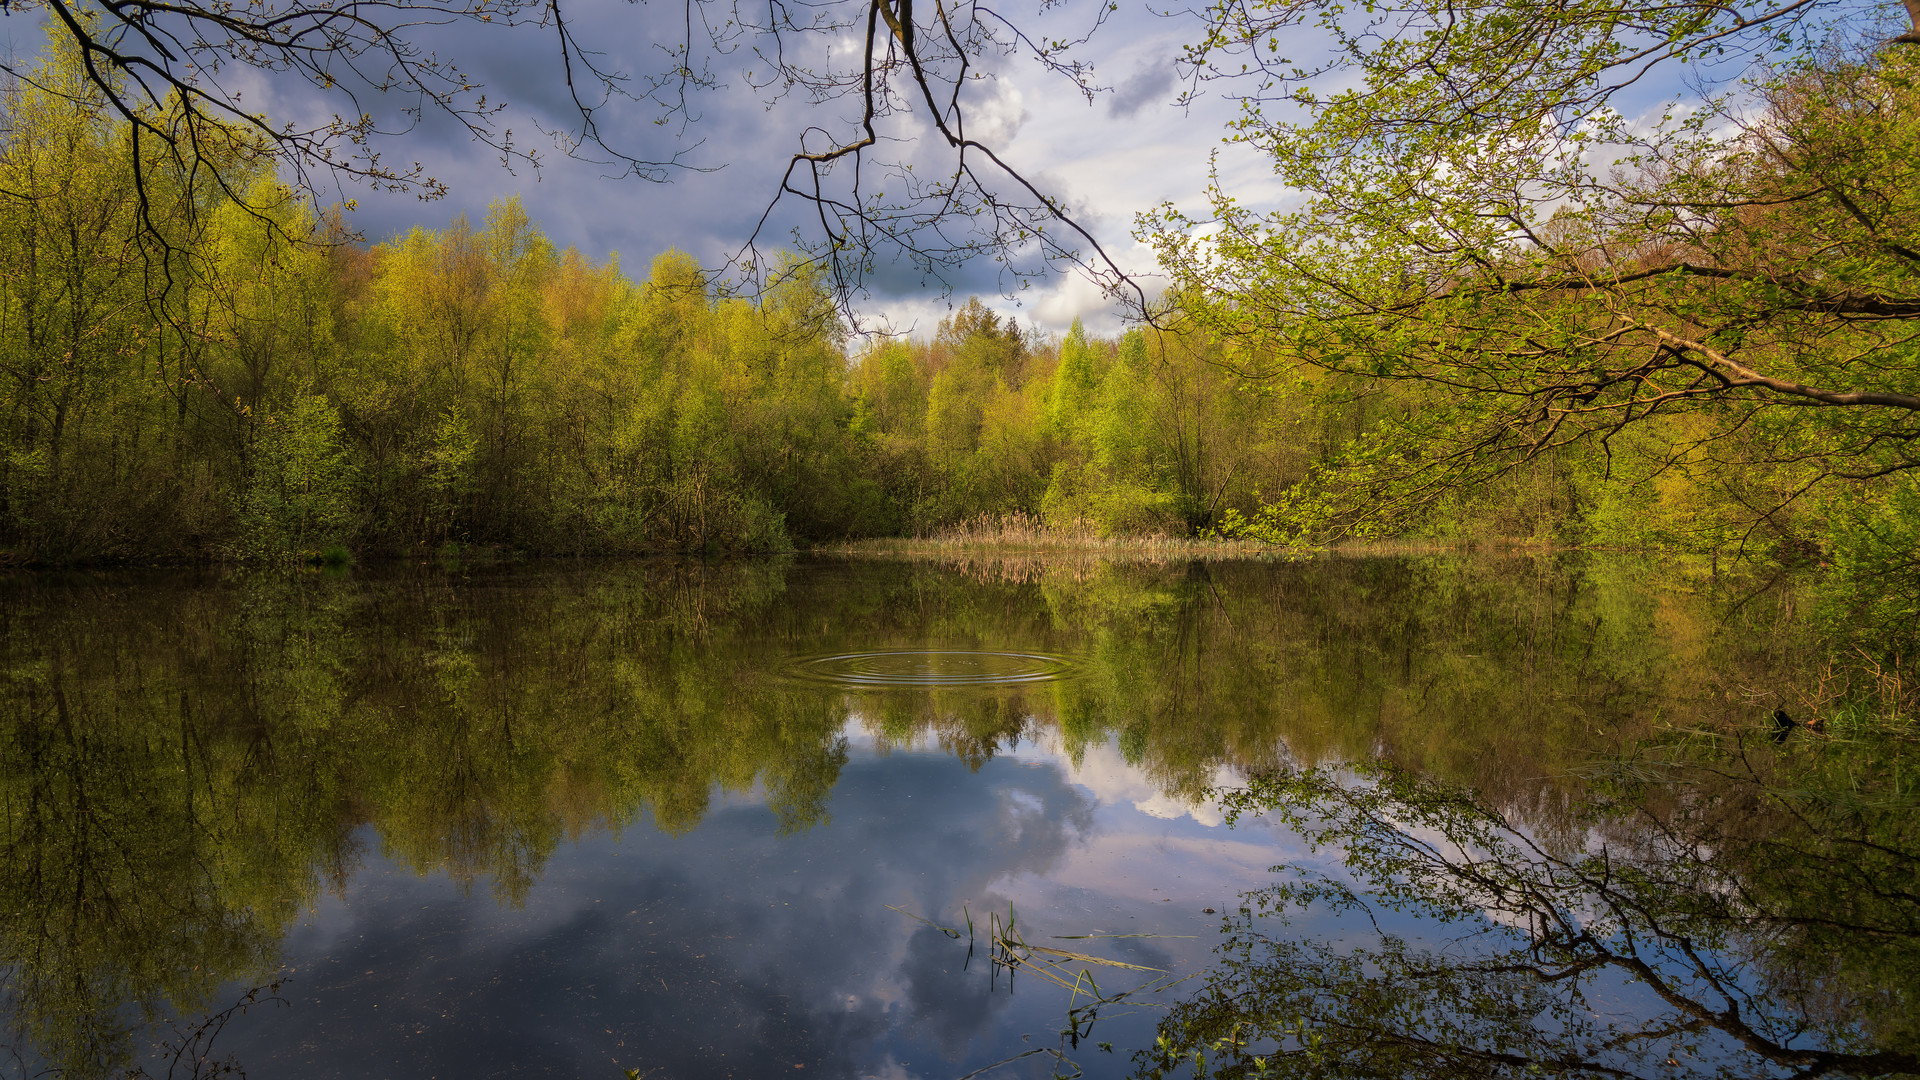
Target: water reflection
(910, 668)
(1663, 944)
(581, 820)
(728, 951)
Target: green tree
(1489, 228)
(127, 309)
(299, 493)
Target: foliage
(491, 391)
(1534, 273)
(1873, 595)
(297, 496)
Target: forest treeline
(195, 372)
(190, 374)
(194, 365)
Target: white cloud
(1104, 773)
(996, 116)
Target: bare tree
(899, 176)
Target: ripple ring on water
(933, 668)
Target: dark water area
(753, 819)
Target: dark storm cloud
(743, 142)
(579, 204)
(897, 278)
(581, 200)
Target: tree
(101, 379)
(1506, 238)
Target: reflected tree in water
(1715, 915)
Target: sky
(1128, 150)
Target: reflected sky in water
(732, 950)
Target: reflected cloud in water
(733, 950)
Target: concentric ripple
(933, 668)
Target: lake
(814, 817)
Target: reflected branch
(1622, 951)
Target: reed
(1028, 532)
(1011, 951)
(1018, 535)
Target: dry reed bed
(1019, 546)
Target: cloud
(1148, 85)
(996, 117)
(1105, 774)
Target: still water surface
(701, 821)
